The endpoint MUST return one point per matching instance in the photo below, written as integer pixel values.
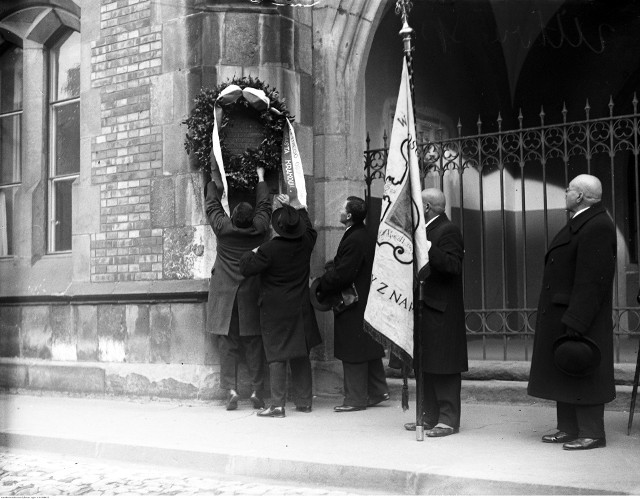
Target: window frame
(9, 188)
(53, 178)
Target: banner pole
(403, 7)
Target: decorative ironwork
(543, 159)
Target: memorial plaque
(243, 132)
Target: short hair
(242, 216)
(357, 207)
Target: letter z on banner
(401, 247)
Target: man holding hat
(288, 323)
(232, 313)
(365, 384)
(572, 360)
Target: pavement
(498, 450)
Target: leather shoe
(376, 400)
(585, 444)
(412, 426)
(439, 431)
(232, 403)
(560, 437)
(258, 403)
(348, 408)
(272, 412)
(303, 408)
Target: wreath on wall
(240, 168)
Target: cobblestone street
(40, 474)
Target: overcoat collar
(352, 229)
(575, 224)
(440, 219)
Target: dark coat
(577, 293)
(443, 330)
(226, 280)
(287, 320)
(352, 264)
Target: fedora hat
(576, 355)
(287, 223)
(324, 305)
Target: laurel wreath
(240, 168)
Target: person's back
(232, 308)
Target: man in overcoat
(288, 323)
(442, 331)
(232, 308)
(364, 378)
(576, 301)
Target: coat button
(547, 287)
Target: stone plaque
(243, 132)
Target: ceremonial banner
(292, 168)
(401, 247)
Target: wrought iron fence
(505, 190)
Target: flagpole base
(419, 433)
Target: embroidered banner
(292, 168)
(401, 247)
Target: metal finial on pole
(403, 7)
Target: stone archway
(342, 36)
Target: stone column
(342, 34)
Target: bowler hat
(576, 355)
(287, 223)
(324, 305)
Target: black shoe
(258, 403)
(560, 437)
(439, 431)
(272, 412)
(232, 403)
(348, 408)
(303, 408)
(412, 426)
(585, 444)
(376, 400)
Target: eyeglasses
(568, 189)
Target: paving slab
(498, 449)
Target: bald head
(589, 186)
(434, 203)
(583, 191)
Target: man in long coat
(443, 330)
(232, 308)
(364, 379)
(288, 323)
(576, 300)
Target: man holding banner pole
(442, 341)
(401, 247)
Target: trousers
(442, 399)
(362, 381)
(301, 382)
(586, 421)
(233, 348)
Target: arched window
(64, 136)
(10, 139)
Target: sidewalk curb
(319, 474)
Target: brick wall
(128, 151)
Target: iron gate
(505, 190)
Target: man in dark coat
(443, 331)
(288, 323)
(576, 301)
(364, 379)
(232, 309)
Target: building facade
(105, 251)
